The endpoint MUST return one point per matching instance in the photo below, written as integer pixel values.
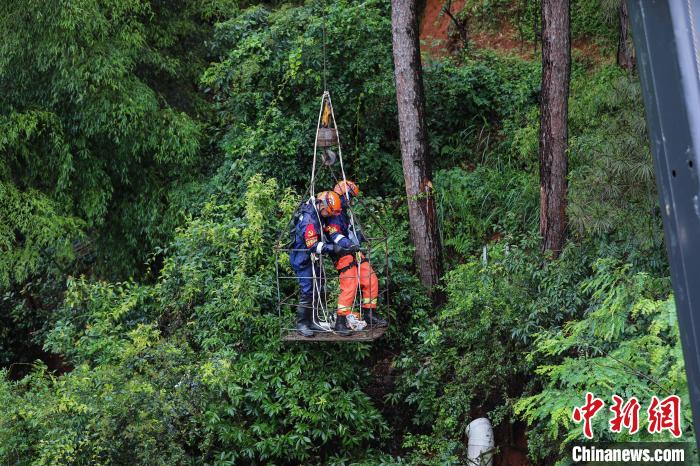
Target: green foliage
(269, 77)
(144, 409)
(467, 103)
(87, 116)
(483, 12)
(35, 235)
(555, 328)
(468, 360)
(594, 20)
(268, 81)
(192, 367)
(451, 377)
(476, 205)
(31, 227)
(500, 311)
(100, 135)
(626, 344)
(611, 185)
(612, 179)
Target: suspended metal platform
(325, 295)
(361, 335)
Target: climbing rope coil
(327, 154)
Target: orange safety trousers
(349, 281)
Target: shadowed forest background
(153, 151)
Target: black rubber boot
(303, 314)
(373, 320)
(341, 326)
(311, 318)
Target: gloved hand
(328, 248)
(339, 250)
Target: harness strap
(352, 264)
(348, 267)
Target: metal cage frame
(371, 246)
(323, 308)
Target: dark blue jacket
(337, 229)
(340, 230)
(308, 237)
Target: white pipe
(481, 444)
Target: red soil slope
(436, 42)
(434, 28)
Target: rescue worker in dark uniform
(353, 267)
(308, 241)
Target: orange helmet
(328, 203)
(347, 186)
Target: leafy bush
(557, 330)
(144, 408)
(192, 367)
(468, 102)
(626, 344)
(612, 178)
(102, 144)
(90, 119)
(268, 81)
(590, 20)
(480, 205)
(500, 310)
(451, 377)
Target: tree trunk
(414, 143)
(556, 67)
(625, 53)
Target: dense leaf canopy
(152, 153)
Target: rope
(321, 304)
(326, 97)
(323, 23)
(340, 158)
(319, 288)
(312, 186)
(347, 195)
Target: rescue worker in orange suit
(342, 231)
(308, 241)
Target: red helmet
(328, 203)
(347, 187)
